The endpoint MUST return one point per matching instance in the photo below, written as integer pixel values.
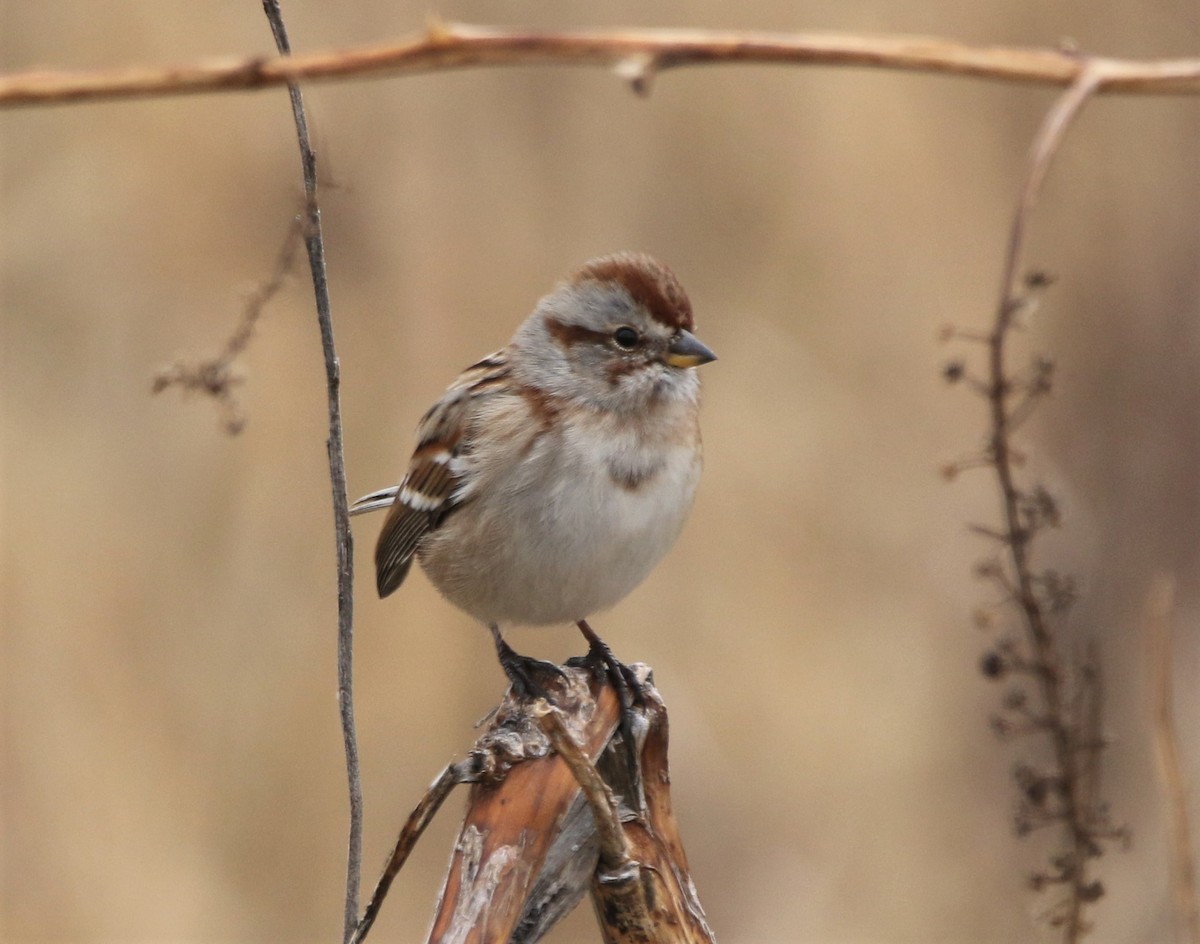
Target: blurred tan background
(172, 768)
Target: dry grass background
(171, 762)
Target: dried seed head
(993, 665)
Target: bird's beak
(687, 350)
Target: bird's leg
(630, 693)
(522, 671)
(625, 680)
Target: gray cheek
(671, 385)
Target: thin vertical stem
(337, 476)
(1050, 675)
(1159, 612)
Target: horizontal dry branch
(636, 54)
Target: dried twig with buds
(1047, 694)
(216, 376)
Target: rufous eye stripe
(568, 335)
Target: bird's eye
(625, 338)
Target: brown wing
(438, 474)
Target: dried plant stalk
(516, 811)
(646, 893)
(314, 243)
(1159, 611)
(1048, 694)
(546, 823)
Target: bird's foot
(632, 696)
(528, 676)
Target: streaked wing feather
(433, 485)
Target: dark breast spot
(632, 479)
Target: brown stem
(636, 55)
(414, 827)
(315, 244)
(1159, 609)
(1046, 656)
(614, 847)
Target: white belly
(568, 530)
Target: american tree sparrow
(554, 474)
